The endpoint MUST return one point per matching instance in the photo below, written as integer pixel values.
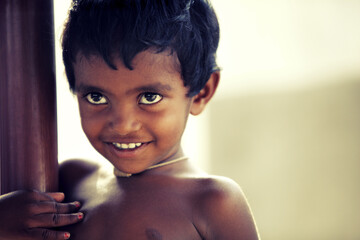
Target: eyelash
(142, 99)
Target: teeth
(127, 145)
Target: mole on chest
(153, 234)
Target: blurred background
(285, 121)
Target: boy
(138, 69)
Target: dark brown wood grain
(28, 134)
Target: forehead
(146, 65)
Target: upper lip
(126, 141)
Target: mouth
(126, 149)
(127, 146)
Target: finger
(57, 196)
(55, 207)
(55, 220)
(46, 234)
(43, 196)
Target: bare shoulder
(79, 164)
(222, 211)
(73, 171)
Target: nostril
(124, 125)
(123, 118)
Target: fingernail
(80, 216)
(66, 235)
(77, 204)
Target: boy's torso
(157, 207)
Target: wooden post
(28, 137)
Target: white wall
(285, 123)
(281, 44)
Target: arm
(224, 212)
(32, 214)
(72, 172)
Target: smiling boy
(138, 69)
(134, 118)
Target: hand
(31, 214)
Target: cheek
(170, 124)
(87, 126)
(91, 124)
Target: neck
(119, 173)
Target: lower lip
(127, 153)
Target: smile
(124, 146)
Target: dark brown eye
(150, 98)
(96, 98)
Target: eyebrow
(156, 87)
(88, 88)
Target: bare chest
(128, 211)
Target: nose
(123, 120)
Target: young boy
(138, 69)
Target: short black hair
(124, 28)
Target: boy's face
(134, 118)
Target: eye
(96, 98)
(150, 98)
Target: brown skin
(31, 215)
(174, 202)
(146, 106)
(114, 109)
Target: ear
(200, 100)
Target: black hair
(124, 28)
